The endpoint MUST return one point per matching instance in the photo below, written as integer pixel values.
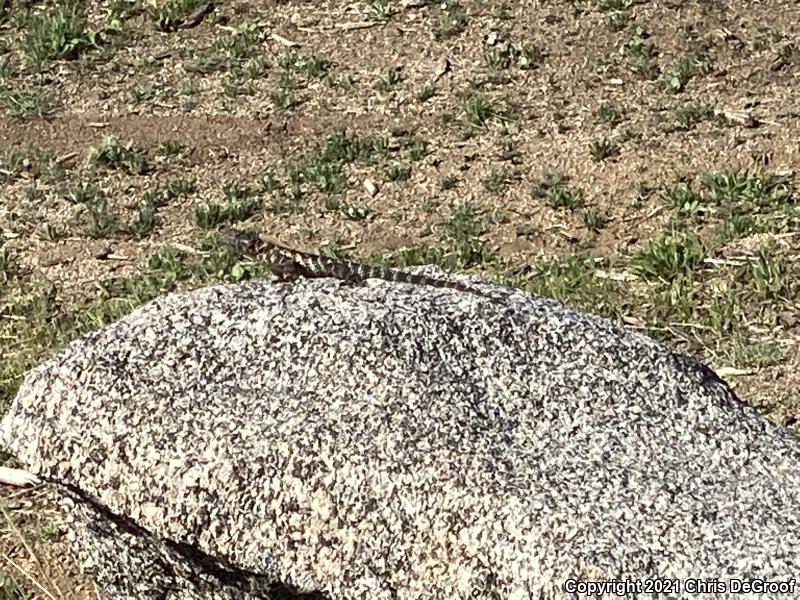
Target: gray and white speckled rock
(393, 441)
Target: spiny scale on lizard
(286, 264)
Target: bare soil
(501, 94)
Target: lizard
(288, 264)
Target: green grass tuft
(113, 154)
(59, 33)
(668, 258)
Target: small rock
(526, 229)
(371, 187)
(789, 319)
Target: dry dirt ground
(636, 159)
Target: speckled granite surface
(387, 441)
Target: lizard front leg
(285, 269)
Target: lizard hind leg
(349, 272)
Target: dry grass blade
(29, 577)
(33, 556)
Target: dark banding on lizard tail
(286, 264)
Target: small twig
(654, 212)
(118, 257)
(285, 41)
(17, 477)
(741, 117)
(66, 157)
(734, 372)
(358, 25)
(188, 249)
